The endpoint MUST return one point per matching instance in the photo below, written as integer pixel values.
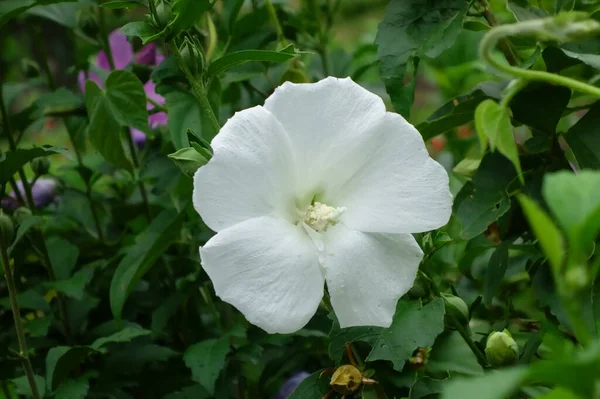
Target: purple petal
(43, 192)
(147, 55)
(121, 49)
(290, 385)
(139, 137)
(150, 90)
(91, 76)
(159, 58)
(158, 119)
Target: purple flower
(42, 191)
(290, 385)
(123, 55)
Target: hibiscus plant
(304, 199)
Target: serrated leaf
(12, 161)
(206, 359)
(240, 57)
(125, 335)
(412, 28)
(149, 245)
(493, 122)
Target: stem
(275, 20)
(14, 305)
(104, 39)
(511, 91)
(136, 164)
(212, 37)
(490, 40)
(197, 89)
(505, 44)
(17, 192)
(466, 336)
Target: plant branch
(136, 164)
(275, 20)
(505, 45)
(14, 305)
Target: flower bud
(164, 14)
(346, 379)
(192, 56)
(30, 68)
(456, 310)
(7, 229)
(294, 75)
(501, 349)
(87, 20)
(40, 166)
(188, 160)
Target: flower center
(319, 216)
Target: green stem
(104, 39)
(14, 305)
(490, 40)
(511, 91)
(465, 333)
(505, 44)
(136, 164)
(275, 20)
(197, 89)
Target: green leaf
(413, 28)
(584, 139)
(426, 386)
(38, 327)
(451, 354)
(74, 286)
(206, 359)
(545, 230)
(63, 14)
(188, 13)
(125, 335)
(57, 102)
(119, 4)
(540, 106)
(188, 160)
(22, 386)
(493, 121)
(26, 224)
(495, 272)
(73, 389)
(149, 245)
(574, 200)
(524, 11)
(61, 360)
(240, 57)
(193, 392)
(29, 299)
(12, 161)
(12, 8)
(413, 326)
(314, 386)
(142, 29)
(458, 111)
(560, 393)
(63, 256)
(484, 199)
(504, 382)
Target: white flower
(320, 184)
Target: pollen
(320, 216)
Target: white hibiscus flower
(319, 184)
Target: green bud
(192, 56)
(501, 349)
(577, 278)
(570, 26)
(21, 214)
(456, 310)
(30, 68)
(294, 75)
(40, 166)
(188, 160)
(87, 20)
(164, 14)
(7, 229)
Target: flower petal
(121, 49)
(252, 172)
(147, 55)
(392, 185)
(324, 120)
(268, 269)
(367, 273)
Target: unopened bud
(192, 56)
(501, 349)
(294, 75)
(164, 14)
(7, 229)
(188, 160)
(40, 166)
(30, 68)
(346, 379)
(457, 311)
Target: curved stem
(505, 45)
(273, 15)
(491, 39)
(14, 305)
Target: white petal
(252, 172)
(394, 187)
(325, 121)
(268, 269)
(367, 273)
